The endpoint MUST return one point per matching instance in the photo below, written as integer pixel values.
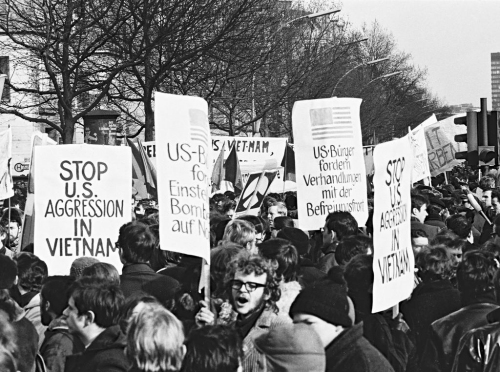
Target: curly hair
(283, 256)
(476, 272)
(248, 263)
(435, 263)
(32, 271)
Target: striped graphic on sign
(331, 123)
(199, 126)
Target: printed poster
(83, 197)
(183, 138)
(393, 261)
(329, 160)
(420, 161)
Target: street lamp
(379, 78)
(355, 67)
(314, 15)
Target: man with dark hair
(59, 342)
(419, 213)
(137, 242)
(477, 294)
(213, 348)
(352, 246)
(338, 225)
(92, 315)
(436, 208)
(12, 220)
(253, 291)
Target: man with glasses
(253, 291)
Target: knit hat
(79, 264)
(326, 300)
(8, 272)
(293, 347)
(297, 237)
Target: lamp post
(379, 78)
(355, 67)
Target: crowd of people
(280, 299)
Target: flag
(255, 190)
(143, 172)
(218, 171)
(6, 184)
(233, 170)
(288, 163)
(331, 123)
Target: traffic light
(487, 155)
(471, 155)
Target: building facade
(495, 81)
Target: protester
(259, 224)
(242, 233)
(418, 215)
(92, 315)
(254, 292)
(276, 209)
(351, 246)
(228, 209)
(12, 220)
(285, 259)
(279, 223)
(325, 307)
(338, 225)
(80, 264)
(58, 342)
(136, 243)
(3, 249)
(292, 348)
(213, 348)
(155, 340)
(31, 273)
(477, 294)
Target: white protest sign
(420, 163)
(329, 160)
(184, 175)
(368, 155)
(393, 261)
(441, 145)
(83, 197)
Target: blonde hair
(239, 232)
(155, 339)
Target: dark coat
(351, 352)
(58, 344)
(446, 333)
(308, 273)
(435, 221)
(429, 302)
(27, 343)
(138, 279)
(431, 231)
(104, 354)
(328, 260)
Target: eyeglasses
(250, 286)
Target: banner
(6, 184)
(419, 148)
(82, 199)
(441, 145)
(393, 261)
(330, 169)
(253, 193)
(368, 155)
(184, 174)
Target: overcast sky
(452, 38)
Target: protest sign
(6, 184)
(82, 198)
(255, 154)
(184, 174)
(330, 170)
(254, 192)
(419, 148)
(368, 155)
(441, 145)
(393, 261)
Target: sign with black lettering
(183, 150)
(329, 160)
(83, 196)
(393, 261)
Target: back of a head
(292, 347)
(31, 271)
(8, 273)
(297, 237)
(460, 225)
(136, 242)
(259, 223)
(220, 258)
(103, 271)
(55, 291)
(79, 264)
(358, 273)
(213, 348)
(351, 246)
(155, 339)
(283, 221)
(476, 272)
(282, 253)
(435, 263)
(104, 299)
(342, 223)
(239, 232)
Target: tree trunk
(68, 129)
(149, 120)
